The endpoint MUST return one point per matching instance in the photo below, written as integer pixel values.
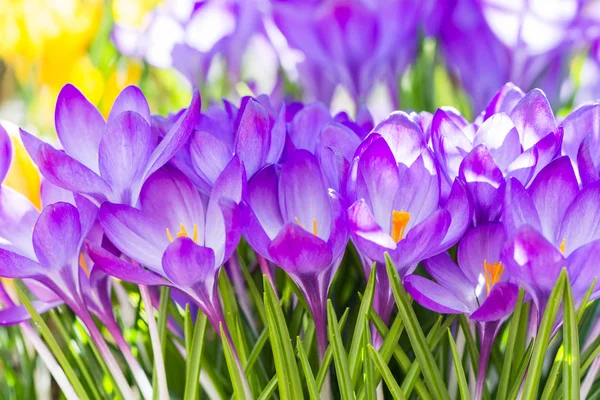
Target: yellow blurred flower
(131, 13)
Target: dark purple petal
(519, 208)
(303, 193)
(254, 232)
(585, 163)
(299, 252)
(253, 138)
(58, 220)
(134, 233)
(5, 153)
(483, 243)
(450, 276)
(209, 155)
(278, 136)
(130, 99)
(15, 266)
(581, 223)
(70, 174)
(461, 213)
(79, 126)
(187, 264)
(338, 237)
(263, 197)
(306, 126)
(120, 269)
(498, 304)
(449, 143)
(552, 189)
(533, 118)
(434, 296)
(124, 153)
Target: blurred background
(387, 54)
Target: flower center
(315, 231)
(493, 273)
(399, 221)
(562, 246)
(183, 233)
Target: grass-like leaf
(463, 387)
(163, 315)
(370, 385)
(387, 375)
(520, 373)
(238, 379)
(513, 329)
(571, 383)
(328, 357)
(532, 382)
(194, 357)
(339, 354)
(431, 372)
(313, 391)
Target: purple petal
(338, 237)
(88, 214)
(498, 304)
(122, 270)
(254, 232)
(134, 233)
(578, 125)
(339, 137)
(367, 235)
(519, 208)
(501, 138)
(187, 264)
(278, 136)
(299, 252)
(533, 118)
(303, 194)
(585, 163)
(461, 213)
(504, 101)
(69, 174)
(124, 153)
(450, 276)
(18, 218)
(483, 243)
(553, 188)
(15, 266)
(263, 197)
(378, 181)
(434, 296)
(253, 136)
(172, 200)
(209, 155)
(17, 314)
(79, 126)
(32, 144)
(403, 135)
(306, 126)
(130, 99)
(5, 153)
(58, 220)
(581, 223)
(449, 143)
(524, 166)
(50, 193)
(583, 268)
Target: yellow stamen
(562, 246)
(315, 230)
(83, 264)
(183, 233)
(493, 273)
(400, 220)
(170, 236)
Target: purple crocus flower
(5, 153)
(179, 239)
(398, 209)
(295, 221)
(107, 160)
(478, 286)
(512, 140)
(352, 43)
(582, 141)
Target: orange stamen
(315, 230)
(183, 233)
(83, 264)
(493, 273)
(400, 220)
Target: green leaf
(163, 316)
(283, 354)
(238, 380)
(370, 385)
(340, 357)
(463, 387)
(269, 390)
(263, 338)
(387, 375)
(520, 373)
(326, 362)
(530, 390)
(254, 292)
(432, 374)
(194, 357)
(52, 344)
(510, 347)
(359, 331)
(471, 343)
(585, 301)
(313, 392)
(571, 384)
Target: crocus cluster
(165, 201)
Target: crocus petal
(176, 137)
(339, 137)
(498, 304)
(32, 144)
(524, 166)
(5, 153)
(519, 208)
(483, 243)
(378, 181)
(585, 163)
(368, 236)
(187, 264)
(533, 118)
(504, 101)
(58, 220)
(578, 125)
(499, 135)
(15, 266)
(403, 135)
(583, 268)
(134, 233)
(581, 223)
(171, 199)
(300, 252)
(253, 136)
(338, 237)
(262, 197)
(449, 143)
(461, 214)
(278, 136)
(130, 99)
(124, 152)
(307, 124)
(120, 269)
(79, 126)
(88, 213)
(484, 181)
(303, 194)
(17, 314)
(68, 173)
(551, 191)
(18, 218)
(209, 155)
(434, 296)
(254, 232)
(449, 275)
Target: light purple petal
(434, 296)
(306, 126)
(578, 125)
(581, 223)
(552, 189)
(533, 118)
(254, 232)
(461, 213)
(499, 135)
(498, 304)
(483, 243)
(58, 220)
(15, 266)
(449, 275)
(519, 208)
(338, 237)
(504, 101)
(449, 143)
(17, 314)
(253, 138)
(339, 137)
(368, 236)
(18, 218)
(278, 136)
(130, 99)
(209, 155)
(585, 163)
(583, 268)
(300, 252)
(186, 264)
(263, 197)
(403, 135)
(79, 126)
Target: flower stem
(488, 333)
